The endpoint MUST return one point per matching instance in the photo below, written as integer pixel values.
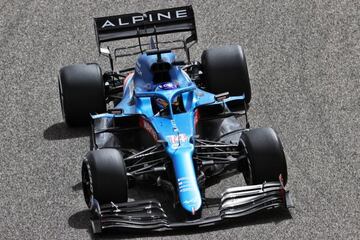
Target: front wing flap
(149, 214)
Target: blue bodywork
(177, 129)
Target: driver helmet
(166, 86)
(162, 103)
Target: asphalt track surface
(304, 64)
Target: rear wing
(136, 25)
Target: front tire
(104, 176)
(266, 157)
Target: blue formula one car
(177, 125)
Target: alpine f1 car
(170, 123)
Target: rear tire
(225, 70)
(82, 92)
(266, 158)
(104, 176)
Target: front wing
(149, 214)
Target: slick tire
(225, 70)
(82, 92)
(104, 177)
(265, 156)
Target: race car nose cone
(189, 192)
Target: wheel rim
(248, 174)
(61, 100)
(86, 183)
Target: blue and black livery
(173, 125)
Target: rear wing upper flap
(164, 21)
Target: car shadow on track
(80, 220)
(59, 131)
